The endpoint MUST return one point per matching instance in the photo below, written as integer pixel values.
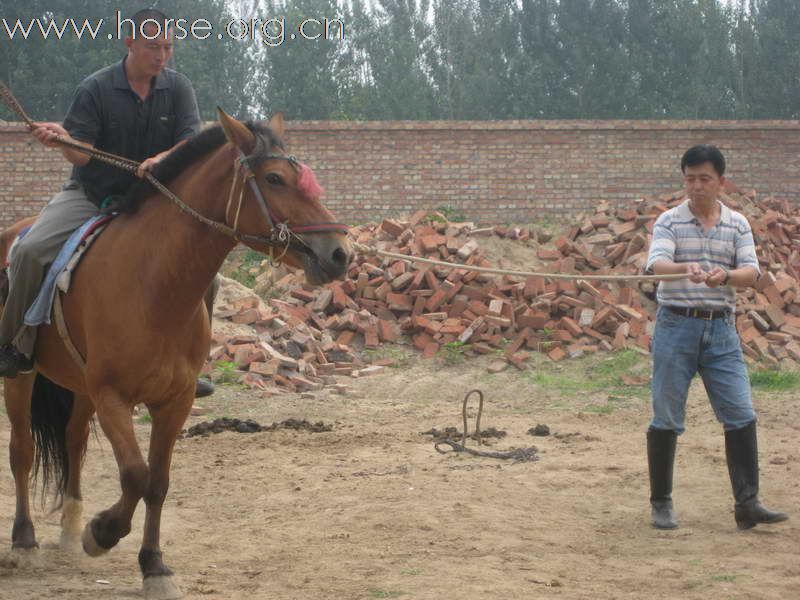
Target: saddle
(60, 272)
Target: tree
(395, 38)
(774, 85)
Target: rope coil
(518, 455)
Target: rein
(281, 233)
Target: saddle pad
(60, 271)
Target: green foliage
(617, 364)
(451, 59)
(244, 267)
(452, 352)
(386, 594)
(773, 380)
(452, 214)
(398, 354)
(596, 374)
(227, 371)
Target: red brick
(399, 302)
(436, 300)
(387, 331)
(392, 227)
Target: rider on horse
(136, 108)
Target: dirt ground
(370, 510)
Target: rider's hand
(147, 165)
(46, 133)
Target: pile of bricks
(767, 316)
(303, 340)
(306, 338)
(440, 306)
(287, 347)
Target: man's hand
(46, 133)
(696, 273)
(148, 164)
(715, 277)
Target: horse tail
(51, 407)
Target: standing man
(136, 108)
(696, 332)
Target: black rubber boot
(13, 362)
(660, 459)
(203, 388)
(741, 450)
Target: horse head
(275, 204)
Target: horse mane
(198, 146)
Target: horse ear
(276, 124)
(237, 132)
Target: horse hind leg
(105, 530)
(21, 449)
(77, 435)
(158, 580)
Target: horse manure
(249, 426)
(452, 433)
(297, 425)
(539, 430)
(491, 432)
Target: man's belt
(700, 313)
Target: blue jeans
(683, 346)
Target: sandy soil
(370, 510)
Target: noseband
(281, 232)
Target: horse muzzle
(326, 258)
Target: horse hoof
(90, 545)
(161, 587)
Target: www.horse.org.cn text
(270, 31)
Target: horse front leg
(168, 419)
(21, 450)
(109, 526)
(76, 436)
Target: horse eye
(274, 179)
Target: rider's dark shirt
(108, 114)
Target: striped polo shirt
(678, 236)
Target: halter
(281, 233)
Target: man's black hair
(703, 153)
(143, 15)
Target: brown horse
(135, 313)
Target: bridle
(281, 233)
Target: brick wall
(492, 172)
